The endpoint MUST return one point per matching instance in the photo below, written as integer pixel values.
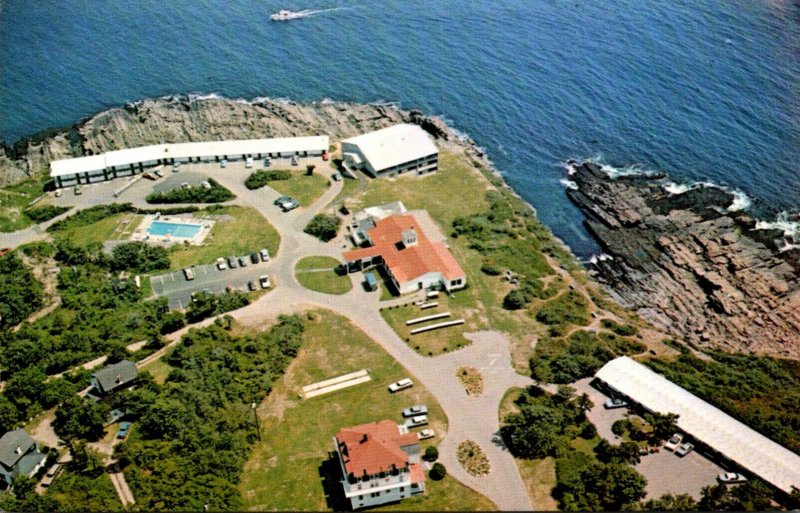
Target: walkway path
(121, 486)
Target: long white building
(130, 161)
(391, 151)
(720, 432)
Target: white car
(674, 441)
(401, 385)
(684, 449)
(265, 255)
(264, 281)
(419, 420)
(189, 273)
(425, 434)
(221, 265)
(59, 193)
(610, 404)
(248, 163)
(731, 478)
(413, 411)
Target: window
(402, 488)
(361, 497)
(456, 282)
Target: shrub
(90, 215)
(323, 226)
(431, 454)
(172, 321)
(568, 308)
(438, 471)
(44, 213)
(214, 194)
(491, 268)
(623, 330)
(262, 177)
(139, 257)
(588, 431)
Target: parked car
(265, 255)
(176, 167)
(189, 273)
(294, 161)
(248, 163)
(159, 173)
(425, 434)
(614, 402)
(289, 205)
(124, 427)
(221, 265)
(336, 177)
(684, 449)
(419, 420)
(731, 478)
(254, 258)
(267, 162)
(223, 163)
(251, 285)
(59, 193)
(232, 262)
(419, 409)
(401, 385)
(281, 199)
(264, 281)
(78, 190)
(205, 184)
(243, 261)
(674, 441)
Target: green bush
(172, 321)
(139, 257)
(262, 177)
(438, 471)
(44, 213)
(623, 330)
(38, 249)
(90, 215)
(491, 268)
(620, 426)
(323, 226)
(196, 194)
(431, 454)
(567, 309)
(20, 293)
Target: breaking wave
(784, 221)
(569, 184)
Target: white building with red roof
(380, 463)
(413, 261)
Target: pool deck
(142, 231)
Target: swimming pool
(183, 230)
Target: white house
(391, 151)
(130, 161)
(379, 463)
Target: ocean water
(705, 90)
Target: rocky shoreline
(690, 263)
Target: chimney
(119, 379)
(18, 450)
(409, 237)
(364, 439)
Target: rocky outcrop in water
(690, 265)
(184, 119)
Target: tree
(438, 471)
(611, 486)
(172, 321)
(139, 257)
(20, 293)
(431, 454)
(323, 226)
(584, 403)
(80, 418)
(626, 452)
(9, 415)
(664, 425)
(310, 169)
(669, 502)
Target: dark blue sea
(707, 90)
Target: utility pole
(255, 414)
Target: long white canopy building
(714, 428)
(391, 151)
(113, 164)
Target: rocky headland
(186, 119)
(690, 263)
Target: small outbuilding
(115, 377)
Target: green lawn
(302, 187)
(283, 470)
(13, 200)
(461, 305)
(159, 369)
(237, 231)
(115, 227)
(308, 272)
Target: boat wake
(286, 15)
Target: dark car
(254, 258)
(281, 199)
(232, 262)
(251, 285)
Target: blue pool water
(705, 90)
(161, 228)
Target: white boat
(285, 15)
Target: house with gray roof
(114, 377)
(19, 455)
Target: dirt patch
(472, 380)
(473, 459)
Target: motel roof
(185, 150)
(718, 430)
(407, 263)
(373, 448)
(394, 145)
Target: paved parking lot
(178, 290)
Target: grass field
(283, 472)
(302, 187)
(115, 227)
(159, 369)
(237, 231)
(13, 200)
(309, 272)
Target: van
(249, 162)
(189, 273)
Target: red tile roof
(407, 263)
(373, 448)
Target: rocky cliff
(691, 264)
(184, 119)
